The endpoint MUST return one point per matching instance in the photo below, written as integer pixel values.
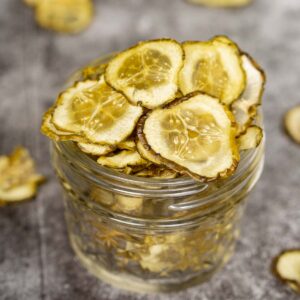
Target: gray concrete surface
(36, 261)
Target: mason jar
(146, 234)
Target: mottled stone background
(36, 261)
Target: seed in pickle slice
(93, 110)
(194, 135)
(95, 149)
(292, 123)
(122, 159)
(147, 73)
(221, 3)
(286, 267)
(213, 67)
(251, 138)
(69, 16)
(18, 177)
(244, 108)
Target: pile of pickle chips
(67, 16)
(18, 177)
(221, 3)
(165, 109)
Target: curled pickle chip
(69, 16)
(286, 267)
(147, 73)
(213, 67)
(157, 172)
(195, 135)
(292, 123)
(93, 110)
(251, 138)
(18, 177)
(128, 144)
(221, 3)
(122, 159)
(128, 204)
(93, 72)
(95, 149)
(244, 108)
(145, 152)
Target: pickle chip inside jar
(18, 177)
(195, 136)
(213, 67)
(68, 16)
(221, 3)
(95, 149)
(147, 73)
(93, 110)
(251, 138)
(286, 267)
(292, 123)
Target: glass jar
(145, 234)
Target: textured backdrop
(36, 261)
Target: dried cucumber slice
(213, 67)
(128, 144)
(286, 267)
(292, 123)
(18, 177)
(69, 16)
(251, 138)
(95, 111)
(122, 159)
(157, 172)
(193, 135)
(147, 73)
(146, 154)
(221, 3)
(244, 109)
(94, 149)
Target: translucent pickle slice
(95, 111)
(251, 138)
(244, 109)
(292, 123)
(213, 67)
(221, 3)
(287, 268)
(18, 177)
(147, 73)
(193, 135)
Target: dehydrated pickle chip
(146, 153)
(128, 144)
(213, 67)
(95, 149)
(286, 267)
(68, 16)
(122, 159)
(195, 135)
(157, 172)
(93, 110)
(147, 73)
(292, 123)
(221, 3)
(251, 138)
(18, 177)
(244, 109)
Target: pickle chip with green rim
(286, 267)
(95, 111)
(213, 67)
(251, 138)
(148, 72)
(193, 135)
(292, 123)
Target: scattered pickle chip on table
(159, 116)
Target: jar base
(131, 283)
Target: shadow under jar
(147, 234)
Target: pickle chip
(18, 177)
(94, 149)
(122, 159)
(157, 172)
(251, 138)
(68, 16)
(128, 144)
(144, 151)
(93, 110)
(221, 3)
(194, 135)
(286, 267)
(244, 109)
(292, 123)
(147, 73)
(213, 67)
